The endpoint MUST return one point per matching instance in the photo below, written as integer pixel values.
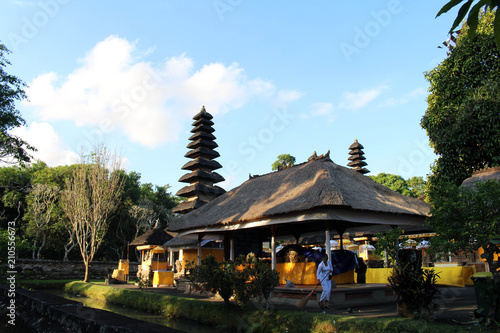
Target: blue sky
(278, 76)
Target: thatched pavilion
(150, 245)
(153, 236)
(482, 176)
(187, 249)
(315, 196)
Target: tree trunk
(35, 243)
(405, 310)
(33, 252)
(67, 248)
(41, 246)
(86, 279)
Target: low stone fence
(56, 269)
(35, 311)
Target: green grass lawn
(50, 284)
(251, 319)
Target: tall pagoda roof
(201, 163)
(201, 178)
(357, 159)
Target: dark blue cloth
(343, 261)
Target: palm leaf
(448, 6)
(461, 14)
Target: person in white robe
(323, 274)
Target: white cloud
(50, 148)
(403, 99)
(112, 90)
(358, 100)
(322, 109)
(285, 97)
(349, 101)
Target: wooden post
(181, 258)
(273, 248)
(366, 252)
(200, 238)
(231, 247)
(328, 247)
(171, 259)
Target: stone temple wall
(56, 269)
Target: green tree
(16, 192)
(161, 201)
(144, 216)
(462, 118)
(413, 187)
(142, 206)
(283, 161)
(417, 186)
(59, 235)
(474, 15)
(388, 242)
(466, 219)
(41, 202)
(15, 182)
(15, 185)
(12, 148)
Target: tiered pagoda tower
(357, 159)
(201, 179)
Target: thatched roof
(482, 175)
(317, 184)
(152, 237)
(181, 242)
(186, 243)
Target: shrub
(264, 279)
(214, 276)
(415, 288)
(245, 278)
